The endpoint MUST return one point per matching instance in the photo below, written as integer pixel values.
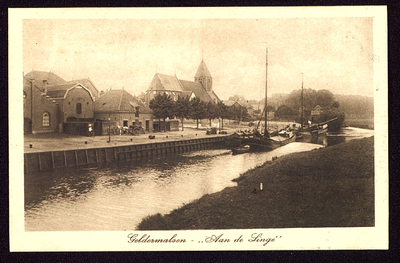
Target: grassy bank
(330, 187)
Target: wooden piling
(43, 161)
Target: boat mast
(302, 107)
(266, 88)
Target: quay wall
(47, 161)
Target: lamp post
(109, 129)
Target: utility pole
(302, 105)
(266, 92)
(109, 129)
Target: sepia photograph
(198, 129)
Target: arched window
(78, 108)
(46, 119)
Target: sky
(329, 53)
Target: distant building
(240, 103)
(122, 109)
(316, 114)
(201, 87)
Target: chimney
(45, 86)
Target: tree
(240, 113)
(311, 98)
(197, 110)
(182, 108)
(222, 112)
(335, 104)
(285, 112)
(330, 113)
(211, 111)
(163, 107)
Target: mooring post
(65, 158)
(52, 159)
(76, 158)
(97, 157)
(26, 162)
(87, 158)
(40, 162)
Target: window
(46, 119)
(78, 108)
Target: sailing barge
(256, 141)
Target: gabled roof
(61, 91)
(84, 82)
(165, 82)
(242, 103)
(119, 100)
(202, 71)
(229, 102)
(317, 107)
(39, 76)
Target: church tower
(203, 76)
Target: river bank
(329, 187)
(61, 141)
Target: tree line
(291, 109)
(164, 107)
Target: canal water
(118, 197)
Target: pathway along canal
(117, 198)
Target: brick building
(118, 108)
(52, 104)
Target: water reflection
(332, 138)
(119, 196)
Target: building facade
(52, 104)
(117, 109)
(316, 114)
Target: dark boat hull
(318, 132)
(240, 150)
(267, 144)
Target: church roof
(202, 71)
(165, 82)
(119, 100)
(198, 90)
(185, 94)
